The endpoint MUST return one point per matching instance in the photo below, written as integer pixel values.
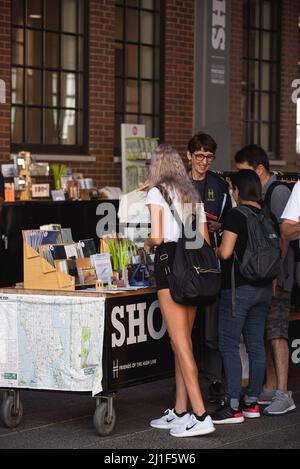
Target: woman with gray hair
(169, 179)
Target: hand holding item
(213, 226)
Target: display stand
(39, 274)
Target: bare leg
(271, 378)
(281, 362)
(178, 322)
(181, 401)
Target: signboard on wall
(212, 75)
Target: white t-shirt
(292, 209)
(171, 229)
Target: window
(261, 73)
(48, 75)
(138, 52)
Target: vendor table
(80, 342)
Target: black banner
(136, 344)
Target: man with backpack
(275, 394)
(214, 193)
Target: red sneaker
(251, 411)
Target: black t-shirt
(236, 222)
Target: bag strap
(172, 207)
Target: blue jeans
(252, 304)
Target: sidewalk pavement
(60, 420)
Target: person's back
(243, 306)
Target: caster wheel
(8, 415)
(102, 424)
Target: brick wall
(5, 74)
(179, 73)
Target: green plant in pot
(58, 170)
(121, 251)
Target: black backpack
(195, 277)
(261, 259)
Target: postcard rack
(39, 274)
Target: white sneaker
(193, 427)
(169, 420)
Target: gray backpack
(261, 260)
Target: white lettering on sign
(296, 354)
(219, 25)
(136, 324)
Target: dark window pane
(68, 52)
(146, 98)
(68, 127)
(254, 75)
(266, 76)
(17, 46)
(119, 23)
(131, 119)
(265, 137)
(265, 107)
(267, 55)
(34, 48)
(51, 89)
(81, 16)
(17, 12)
(52, 14)
(17, 124)
(34, 13)
(51, 131)
(149, 4)
(132, 61)
(69, 16)
(148, 122)
(68, 90)
(254, 45)
(132, 25)
(34, 87)
(17, 86)
(132, 96)
(147, 62)
(254, 13)
(33, 125)
(52, 50)
(147, 27)
(133, 3)
(157, 98)
(267, 14)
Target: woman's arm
(156, 236)
(226, 248)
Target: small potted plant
(121, 251)
(58, 170)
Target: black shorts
(159, 266)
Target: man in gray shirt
(275, 393)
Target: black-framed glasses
(202, 156)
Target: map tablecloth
(51, 342)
